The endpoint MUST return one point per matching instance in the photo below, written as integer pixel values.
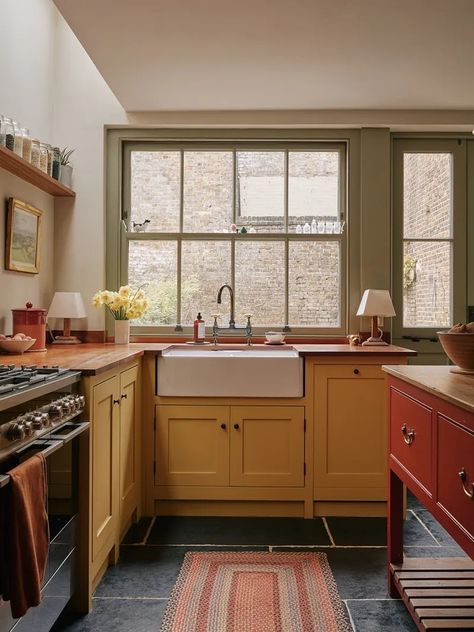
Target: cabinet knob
(236, 426)
(408, 435)
(356, 371)
(123, 396)
(223, 426)
(116, 401)
(463, 477)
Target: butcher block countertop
(456, 388)
(92, 358)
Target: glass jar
(2, 130)
(321, 227)
(50, 159)
(9, 133)
(56, 162)
(35, 152)
(26, 144)
(43, 159)
(17, 139)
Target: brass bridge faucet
(216, 329)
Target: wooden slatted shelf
(439, 592)
(19, 167)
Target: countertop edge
(394, 371)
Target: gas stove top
(19, 383)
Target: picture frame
(22, 237)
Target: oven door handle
(50, 446)
(75, 432)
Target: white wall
(27, 29)
(49, 84)
(83, 104)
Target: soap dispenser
(199, 329)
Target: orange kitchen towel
(27, 533)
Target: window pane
(314, 284)
(260, 282)
(261, 190)
(205, 266)
(154, 263)
(427, 277)
(208, 191)
(427, 195)
(155, 190)
(313, 187)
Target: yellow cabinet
(105, 452)
(129, 444)
(238, 446)
(267, 446)
(113, 403)
(350, 445)
(192, 445)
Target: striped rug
(255, 592)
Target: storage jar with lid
(2, 130)
(9, 133)
(31, 321)
(56, 162)
(26, 144)
(50, 159)
(43, 161)
(35, 152)
(18, 139)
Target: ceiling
(280, 55)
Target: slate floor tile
(441, 535)
(232, 531)
(373, 531)
(380, 616)
(116, 615)
(359, 573)
(438, 551)
(137, 532)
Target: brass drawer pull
(408, 436)
(463, 477)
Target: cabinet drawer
(410, 436)
(455, 454)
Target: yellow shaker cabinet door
(192, 445)
(105, 450)
(267, 446)
(350, 432)
(129, 444)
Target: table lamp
(67, 305)
(376, 303)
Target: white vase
(122, 332)
(65, 175)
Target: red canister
(31, 321)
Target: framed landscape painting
(22, 238)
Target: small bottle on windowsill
(199, 329)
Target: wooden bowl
(459, 348)
(16, 346)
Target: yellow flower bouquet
(125, 304)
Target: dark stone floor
(133, 595)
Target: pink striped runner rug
(255, 592)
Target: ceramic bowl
(459, 348)
(16, 346)
(275, 337)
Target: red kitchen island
(431, 451)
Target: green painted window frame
(426, 336)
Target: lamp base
(66, 340)
(374, 342)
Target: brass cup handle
(463, 477)
(408, 435)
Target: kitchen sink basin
(230, 372)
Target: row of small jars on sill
(40, 155)
(322, 227)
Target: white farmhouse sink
(235, 372)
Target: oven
(47, 417)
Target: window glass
(208, 191)
(155, 190)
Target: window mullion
(180, 244)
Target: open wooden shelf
(19, 167)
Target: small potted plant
(65, 172)
(124, 305)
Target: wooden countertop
(456, 388)
(92, 358)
